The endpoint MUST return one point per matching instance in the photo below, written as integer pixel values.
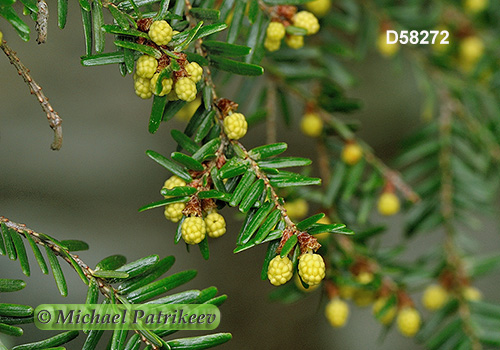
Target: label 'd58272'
(424, 37)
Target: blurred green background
(91, 189)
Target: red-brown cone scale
(226, 106)
(306, 241)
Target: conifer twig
(105, 288)
(219, 119)
(447, 111)
(53, 117)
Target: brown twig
(445, 118)
(323, 163)
(271, 112)
(54, 120)
(390, 175)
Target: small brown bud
(287, 233)
(306, 242)
(207, 205)
(163, 62)
(404, 300)
(193, 207)
(143, 24)
(221, 160)
(179, 74)
(286, 11)
(226, 106)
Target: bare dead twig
(54, 119)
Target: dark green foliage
(136, 284)
(8, 285)
(54, 341)
(289, 246)
(7, 11)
